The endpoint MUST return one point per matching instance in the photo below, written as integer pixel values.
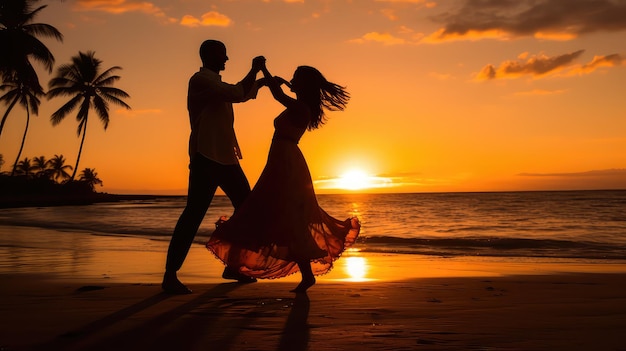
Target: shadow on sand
(210, 321)
(295, 336)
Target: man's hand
(258, 63)
(261, 82)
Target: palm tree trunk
(19, 153)
(6, 114)
(80, 150)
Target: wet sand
(76, 291)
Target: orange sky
(468, 95)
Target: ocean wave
(493, 247)
(444, 247)
(109, 229)
(580, 225)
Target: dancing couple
(277, 228)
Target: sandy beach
(77, 291)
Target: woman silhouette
(280, 228)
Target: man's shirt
(210, 104)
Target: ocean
(525, 226)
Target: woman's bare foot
(304, 285)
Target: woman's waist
(286, 138)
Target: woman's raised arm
(274, 84)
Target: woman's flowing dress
(281, 223)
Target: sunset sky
(451, 95)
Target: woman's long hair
(320, 95)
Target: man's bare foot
(171, 285)
(304, 285)
(235, 275)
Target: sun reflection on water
(356, 268)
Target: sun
(354, 180)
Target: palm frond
(9, 96)
(63, 91)
(44, 30)
(68, 72)
(116, 101)
(83, 111)
(29, 99)
(108, 81)
(8, 85)
(102, 109)
(64, 110)
(82, 123)
(114, 92)
(88, 65)
(59, 82)
(39, 52)
(107, 77)
(34, 103)
(31, 14)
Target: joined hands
(258, 64)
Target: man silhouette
(214, 154)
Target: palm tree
(24, 168)
(41, 166)
(87, 88)
(28, 97)
(58, 169)
(19, 43)
(90, 176)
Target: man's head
(213, 55)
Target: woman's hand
(281, 80)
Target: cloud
(402, 34)
(211, 18)
(408, 1)
(612, 60)
(390, 14)
(539, 92)
(384, 38)
(619, 172)
(546, 19)
(368, 182)
(596, 179)
(119, 7)
(383, 182)
(541, 65)
(537, 65)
